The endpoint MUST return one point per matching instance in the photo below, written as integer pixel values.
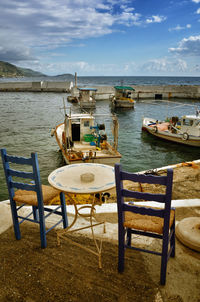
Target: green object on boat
(88, 138)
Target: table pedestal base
(62, 233)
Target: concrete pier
(166, 92)
(153, 92)
(46, 86)
(106, 92)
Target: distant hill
(8, 70)
(65, 76)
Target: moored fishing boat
(86, 98)
(73, 98)
(122, 97)
(185, 130)
(81, 139)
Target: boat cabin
(86, 97)
(189, 124)
(123, 91)
(79, 125)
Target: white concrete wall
(16, 86)
(168, 91)
(104, 92)
(56, 86)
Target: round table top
(84, 178)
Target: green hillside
(8, 70)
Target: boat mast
(66, 127)
(116, 130)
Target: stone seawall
(106, 92)
(154, 92)
(45, 86)
(167, 92)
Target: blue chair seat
(30, 197)
(147, 223)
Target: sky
(102, 37)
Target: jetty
(39, 86)
(157, 92)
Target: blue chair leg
(15, 220)
(164, 259)
(172, 240)
(121, 250)
(64, 211)
(42, 227)
(129, 237)
(35, 213)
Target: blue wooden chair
(24, 188)
(157, 222)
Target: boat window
(197, 123)
(86, 123)
(187, 122)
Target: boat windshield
(187, 122)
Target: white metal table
(84, 178)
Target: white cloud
(128, 19)
(178, 27)
(196, 1)
(49, 23)
(155, 19)
(161, 66)
(36, 24)
(188, 46)
(165, 65)
(198, 11)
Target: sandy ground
(186, 182)
(69, 273)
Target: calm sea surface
(26, 120)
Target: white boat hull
(189, 140)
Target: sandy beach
(69, 273)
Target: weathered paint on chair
(168, 235)
(36, 186)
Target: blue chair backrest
(33, 177)
(164, 198)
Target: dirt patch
(69, 273)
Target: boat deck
(81, 146)
(86, 147)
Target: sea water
(26, 120)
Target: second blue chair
(157, 222)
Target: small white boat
(80, 139)
(73, 98)
(185, 130)
(122, 97)
(86, 98)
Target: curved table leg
(61, 233)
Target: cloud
(178, 27)
(198, 11)
(161, 66)
(196, 1)
(34, 25)
(155, 19)
(165, 65)
(188, 47)
(50, 24)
